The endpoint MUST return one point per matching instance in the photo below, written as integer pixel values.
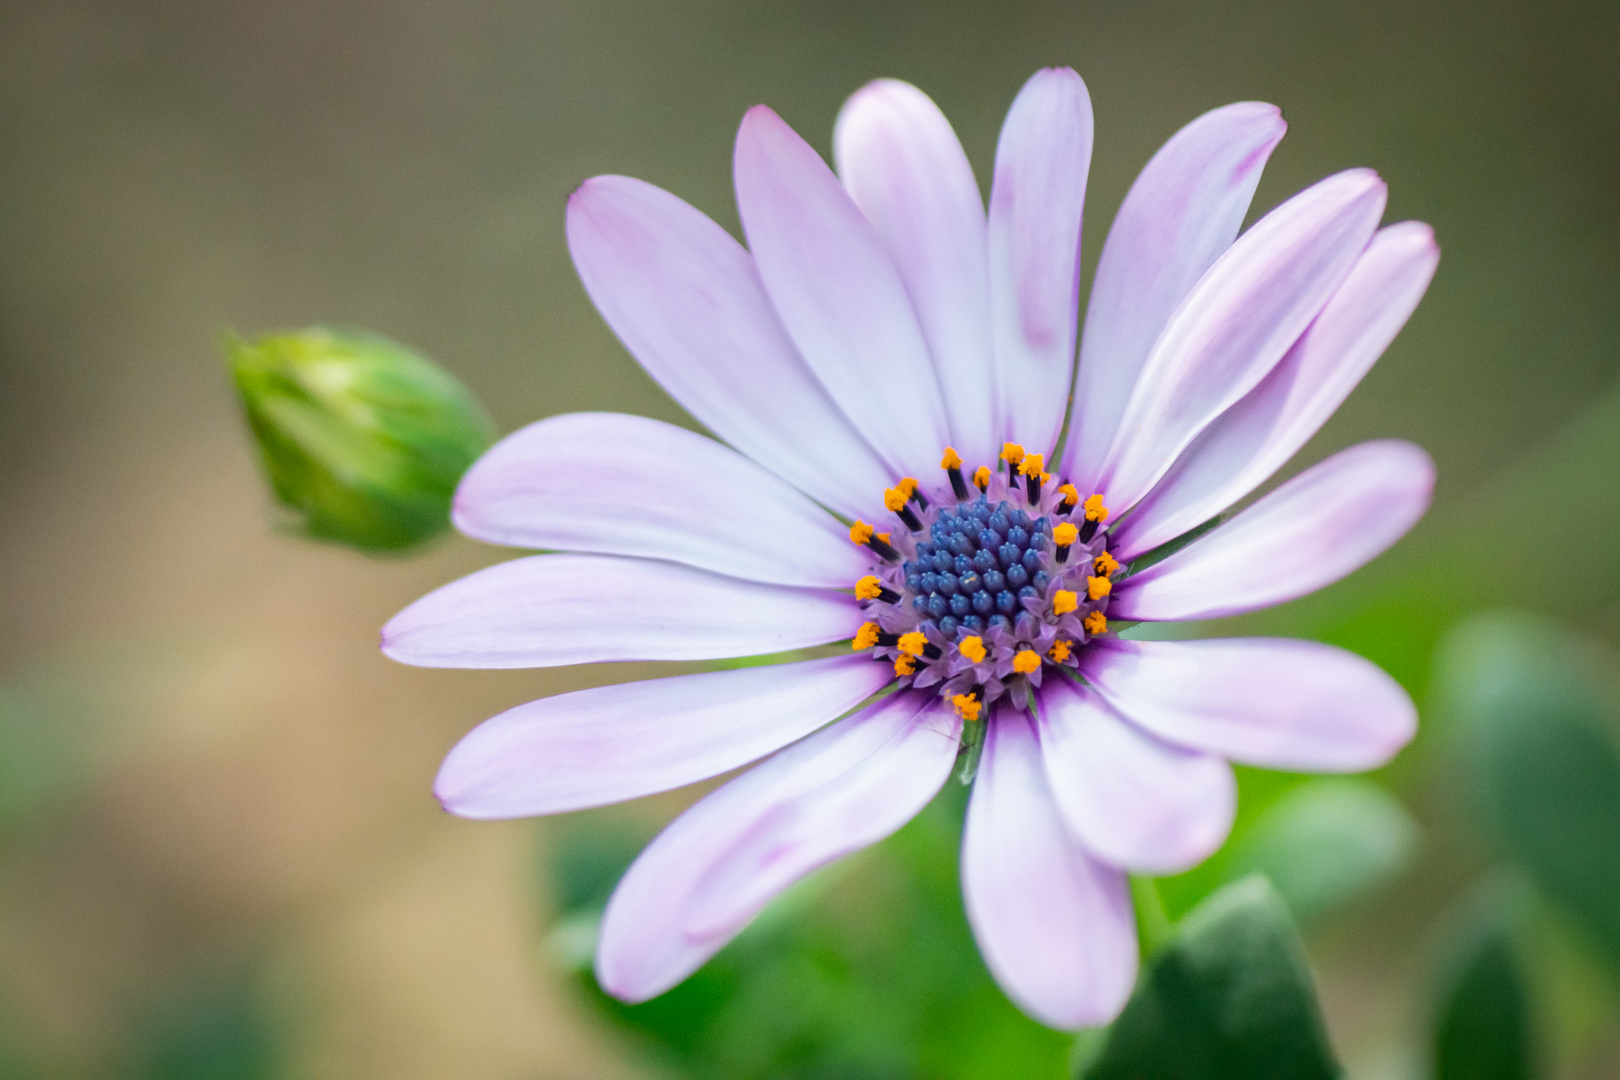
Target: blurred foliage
(1327, 843)
(1229, 997)
(867, 969)
(363, 440)
(1482, 1028)
(1534, 728)
(215, 1027)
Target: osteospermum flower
(891, 367)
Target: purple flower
(877, 320)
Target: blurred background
(219, 856)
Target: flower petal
(1252, 439)
(1272, 702)
(1036, 203)
(716, 866)
(1237, 323)
(686, 300)
(1056, 927)
(627, 485)
(837, 293)
(905, 169)
(1135, 802)
(612, 743)
(551, 610)
(1184, 210)
(1327, 521)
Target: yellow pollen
(981, 476)
(865, 637)
(912, 644)
(1065, 534)
(1046, 477)
(905, 665)
(868, 588)
(1064, 601)
(972, 648)
(967, 707)
(1095, 623)
(951, 460)
(1098, 587)
(1105, 564)
(884, 537)
(1060, 650)
(1033, 465)
(860, 532)
(1012, 452)
(1071, 494)
(1026, 661)
(894, 499)
(1095, 510)
(907, 484)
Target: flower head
(888, 353)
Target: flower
(891, 367)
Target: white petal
(1036, 203)
(1329, 520)
(551, 610)
(1272, 702)
(1237, 323)
(1184, 210)
(1134, 801)
(717, 865)
(1252, 439)
(905, 169)
(1055, 926)
(612, 743)
(627, 485)
(838, 293)
(686, 300)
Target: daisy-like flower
(892, 369)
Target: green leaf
(1326, 843)
(1482, 1025)
(1534, 728)
(1229, 998)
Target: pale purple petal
(1135, 802)
(905, 169)
(612, 743)
(686, 300)
(1036, 202)
(552, 610)
(838, 293)
(717, 865)
(1273, 702)
(1055, 926)
(1237, 323)
(1252, 439)
(1329, 520)
(626, 485)
(1184, 210)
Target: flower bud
(362, 439)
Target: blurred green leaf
(1482, 1024)
(1533, 724)
(1229, 998)
(216, 1028)
(363, 440)
(41, 759)
(1326, 843)
(865, 970)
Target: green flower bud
(362, 439)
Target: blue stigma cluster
(978, 562)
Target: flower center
(977, 592)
